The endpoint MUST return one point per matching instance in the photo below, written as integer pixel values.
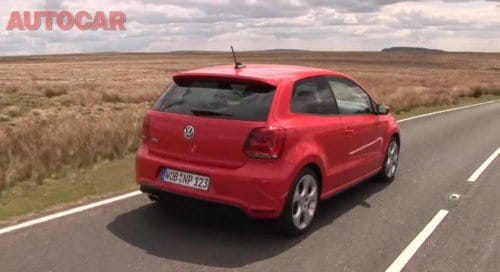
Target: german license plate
(185, 179)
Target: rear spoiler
(187, 76)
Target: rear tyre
(388, 172)
(302, 203)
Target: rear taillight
(145, 129)
(266, 142)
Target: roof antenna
(237, 64)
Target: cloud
(53, 5)
(154, 25)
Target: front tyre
(301, 205)
(391, 161)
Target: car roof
(268, 73)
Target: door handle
(349, 131)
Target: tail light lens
(145, 128)
(266, 142)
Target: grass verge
(26, 200)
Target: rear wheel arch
(317, 170)
(306, 155)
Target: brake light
(265, 142)
(145, 128)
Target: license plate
(185, 179)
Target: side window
(313, 96)
(351, 99)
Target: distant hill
(402, 49)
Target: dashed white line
(68, 212)
(417, 242)
(486, 163)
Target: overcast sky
(157, 26)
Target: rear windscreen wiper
(209, 113)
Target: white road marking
(68, 212)
(443, 111)
(486, 163)
(121, 197)
(417, 242)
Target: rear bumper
(259, 188)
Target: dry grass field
(60, 113)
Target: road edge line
(475, 176)
(68, 212)
(405, 256)
(444, 111)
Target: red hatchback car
(271, 140)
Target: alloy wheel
(305, 201)
(392, 159)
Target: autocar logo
(189, 132)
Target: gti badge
(189, 132)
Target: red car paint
(344, 149)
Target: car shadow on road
(209, 238)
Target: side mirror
(382, 109)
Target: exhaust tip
(154, 197)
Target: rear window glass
(313, 96)
(218, 99)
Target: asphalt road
(363, 229)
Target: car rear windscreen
(218, 99)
